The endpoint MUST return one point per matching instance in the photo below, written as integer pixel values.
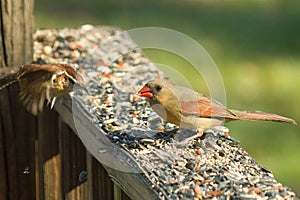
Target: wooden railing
(42, 158)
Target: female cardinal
(42, 82)
(189, 109)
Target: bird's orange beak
(146, 92)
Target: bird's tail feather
(261, 116)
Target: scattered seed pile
(213, 166)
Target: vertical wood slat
(3, 159)
(117, 192)
(17, 28)
(49, 156)
(99, 183)
(17, 127)
(17, 138)
(73, 156)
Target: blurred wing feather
(33, 90)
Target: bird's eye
(158, 88)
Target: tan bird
(42, 82)
(189, 109)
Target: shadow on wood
(17, 146)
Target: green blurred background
(255, 44)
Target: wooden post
(16, 32)
(17, 127)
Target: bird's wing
(203, 106)
(34, 89)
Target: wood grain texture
(133, 184)
(49, 156)
(16, 27)
(17, 137)
(17, 127)
(99, 183)
(73, 158)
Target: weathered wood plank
(100, 184)
(89, 169)
(73, 160)
(117, 192)
(17, 28)
(18, 128)
(17, 132)
(5, 129)
(49, 156)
